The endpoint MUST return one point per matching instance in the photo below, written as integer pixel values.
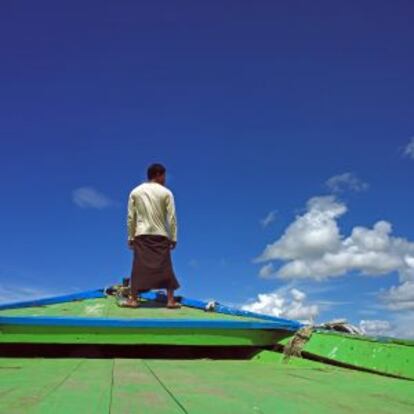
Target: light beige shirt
(151, 210)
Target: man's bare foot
(173, 305)
(129, 303)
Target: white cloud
(400, 325)
(88, 197)
(266, 271)
(12, 293)
(284, 303)
(403, 325)
(269, 219)
(409, 149)
(400, 297)
(313, 247)
(311, 234)
(298, 295)
(375, 327)
(346, 181)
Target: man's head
(156, 173)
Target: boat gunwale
(160, 323)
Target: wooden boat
(83, 353)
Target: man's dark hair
(155, 170)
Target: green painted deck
(107, 308)
(154, 386)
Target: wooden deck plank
(254, 387)
(38, 386)
(197, 387)
(86, 390)
(135, 390)
(25, 382)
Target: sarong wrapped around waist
(152, 265)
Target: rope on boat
(295, 345)
(211, 306)
(119, 291)
(340, 325)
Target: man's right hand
(173, 245)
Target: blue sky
(251, 106)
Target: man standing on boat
(152, 234)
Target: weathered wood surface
(155, 386)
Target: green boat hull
(263, 381)
(139, 336)
(382, 355)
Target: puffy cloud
(403, 325)
(88, 197)
(298, 295)
(284, 303)
(375, 327)
(400, 297)
(266, 271)
(269, 219)
(313, 247)
(309, 235)
(346, 181)
(400, 325)
(409, 149)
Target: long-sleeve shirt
(151, 210)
